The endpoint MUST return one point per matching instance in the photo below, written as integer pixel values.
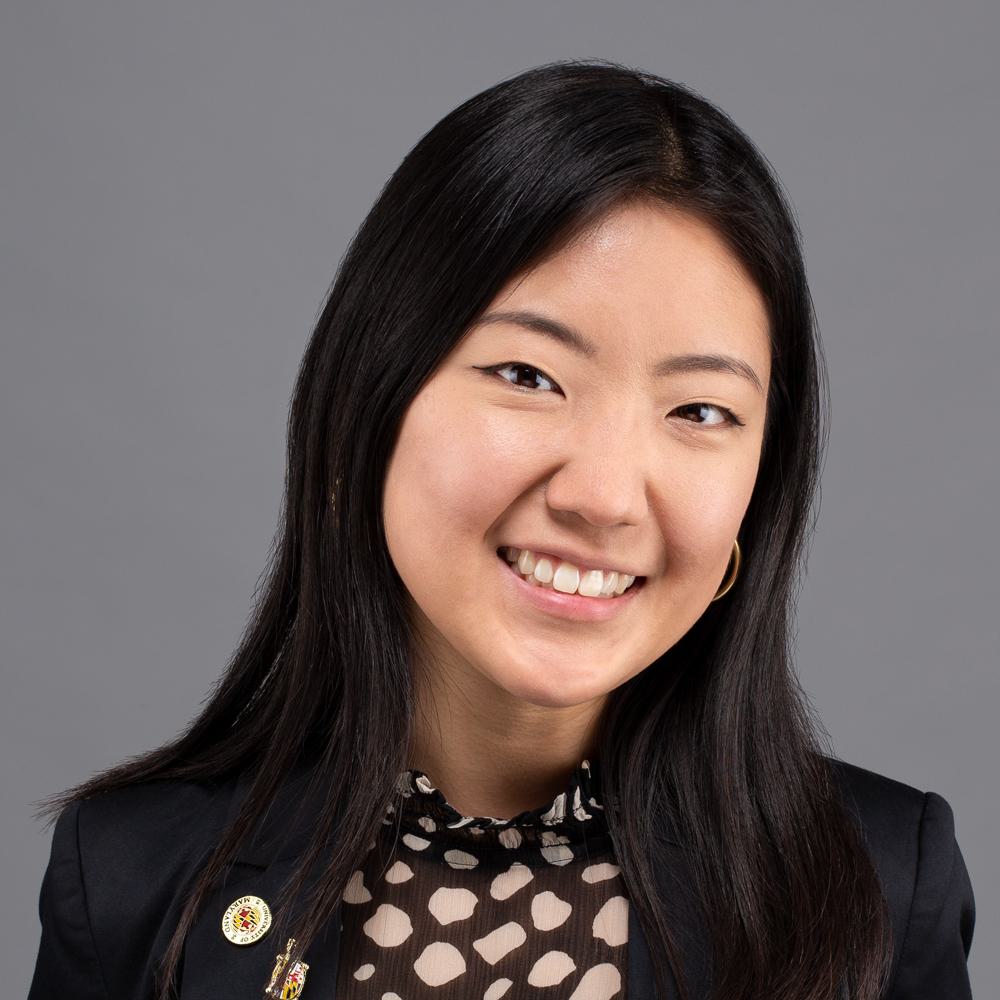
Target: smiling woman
(517, 710)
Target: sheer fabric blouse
(458, 907)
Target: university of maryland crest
(246, 920)
(294, 978)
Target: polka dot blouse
(458, 907)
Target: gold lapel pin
(294, 979)
(246, 920)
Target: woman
(516, 713)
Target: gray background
(179, 181)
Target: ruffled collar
(572, 825)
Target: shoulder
(884, 808)
(152, 824)
(910, 835)
(119, 868)
(902, 826)
(135, 844)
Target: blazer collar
(288, 824)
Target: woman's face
(586, 455)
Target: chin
(555, 688)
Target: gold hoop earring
(734, 560)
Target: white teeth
(543, 571)
(526, 562)
(567, 578)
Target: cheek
(443, 484)
(702, 515)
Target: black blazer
(121, 864)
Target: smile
(562, 575)
(572, 606)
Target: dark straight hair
(716, 733)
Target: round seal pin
(246, 920)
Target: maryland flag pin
(294, 978)
(246, 920)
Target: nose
(604, 473)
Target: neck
(490, 753)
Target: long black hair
(722, 738)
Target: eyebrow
(576, 341)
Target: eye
(527, 372)
(727, 415)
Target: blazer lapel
(686, 921)
(639, 984)
(216, 969)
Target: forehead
(647, 274)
